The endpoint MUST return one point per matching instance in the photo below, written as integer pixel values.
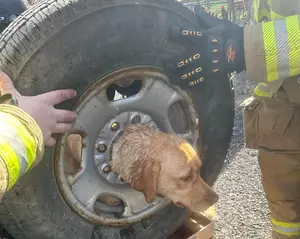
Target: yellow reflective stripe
(282, 48)
(10, 158)
(262, 93)
(264, 15)
(288, 229)
(26, 138)
(286, 224)
(261, 10)
(33, 130)
(289, 234)
(268, 29)
(255, 10)
(20, 145)
(292, 27)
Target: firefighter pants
(281, 182)
(273, 127)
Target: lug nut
(136, 119)
(101, 148)
(115, 126)
(106, 169)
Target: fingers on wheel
(60, 128)
(65, 116)
(59, 96)
(50, 142)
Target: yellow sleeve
(260, 10)
(21, 145)
(272, 49)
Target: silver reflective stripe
(10, 134)
(287, 229)
(291, 231)
(282, 42)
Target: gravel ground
(242, 210)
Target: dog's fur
(157, 163)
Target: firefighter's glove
(209, 53)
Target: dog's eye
(187, 178)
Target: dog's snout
(215, 199)
(212, 197)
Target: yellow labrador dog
(157, 163)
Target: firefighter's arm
(21, 145)
(272, 49)
(25, 129)
(267, 51)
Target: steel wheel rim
(161, 95)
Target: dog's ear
(145, 179)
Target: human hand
(41, 109)
(209, 53)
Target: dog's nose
(215, 199)
(212, 198)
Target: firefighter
(270, 53)
(27, 124)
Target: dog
(158, 163)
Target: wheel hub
(106, 137)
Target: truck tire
(72, 43)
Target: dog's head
(175, 175)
